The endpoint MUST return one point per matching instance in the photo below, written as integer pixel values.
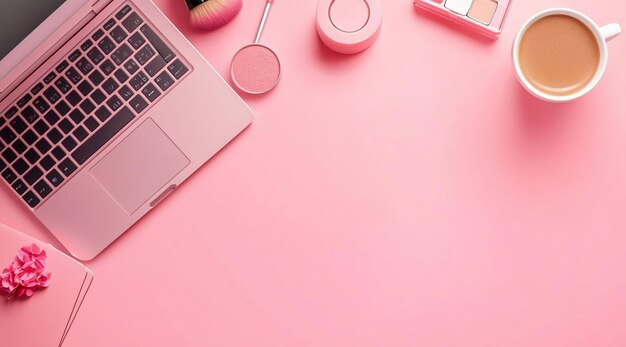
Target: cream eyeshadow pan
(481, 11)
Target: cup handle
(610, 31)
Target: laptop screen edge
(47, 30)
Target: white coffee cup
(602, 35)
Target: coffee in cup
(560, 54)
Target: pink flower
(25, 274)
(32, 257)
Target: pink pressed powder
(255, 69)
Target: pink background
(412, 195)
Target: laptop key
(19, 187)
(74, 98)
(66, 126)
(75, 55)
(29, 114)
(41, 105)
(96, 78)
(109, 24)
(91, 123)
(96, 56)
(42, 188)
(131, 66)
(97, 35)
(144, 55)
(98, 96)
(41, 127)
(67, 167)
(9, 155)
(43, 146)
(85, 46)
(37, 88)
(73, 75)
(151, 92)
(106, 45)
(132, 22)
(20, 166)
(138, 104)
(30, 137)
(9, 175)
(54, 136)
(110, 86)
(84, 66)
(102, 113)
(85, 88)
(11, 112)
(108, 67)
(58, 153)
(18, 125)
(24, 100)
(136, 40)
(54, 177)
(52, 117)
(47, 163)
(80, 133)
(87, 106)
(118, 34)
(69, 143)
(121, 75)
(138, 81)
(63, 85)
(33, 175)
(114, 103)
(164, 50)
(77, 116)
(63, 108)
(32, 156)
(62, 66)
(52, 95)
(123, 12)
(50, 77)
(155, 66)
(121, 54)
(178, 69)
(164, 80)
(7, 135)
(103, 135)
(125, 92)
(31, 199)
(19, 146)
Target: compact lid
(349, 26)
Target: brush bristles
(213, 14)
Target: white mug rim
(595, 29)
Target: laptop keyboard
(83, 102)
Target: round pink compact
(349, 26)
(255, 69)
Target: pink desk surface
(413, 195)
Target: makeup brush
(212, 14)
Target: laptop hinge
(99, 5)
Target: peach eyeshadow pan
(483, 11)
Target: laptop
(105, 108)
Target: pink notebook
(45, 318)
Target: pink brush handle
(266, 12)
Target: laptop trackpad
(139, 166)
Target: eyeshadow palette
(484, 16)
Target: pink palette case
(483, 16)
